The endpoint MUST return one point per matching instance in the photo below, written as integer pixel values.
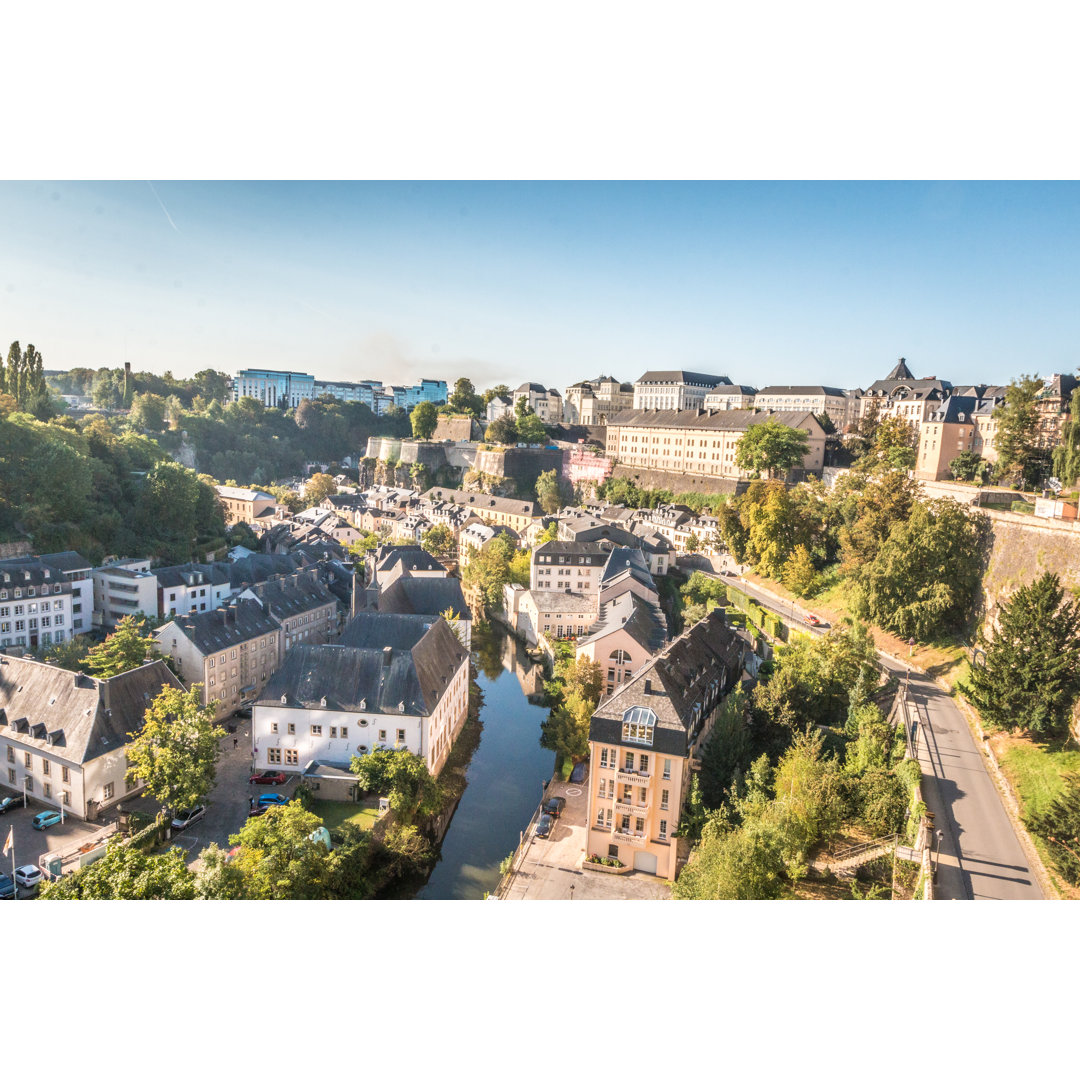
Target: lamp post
(937, 852)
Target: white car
(184, 818)
(27, 876)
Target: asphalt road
(980, 856)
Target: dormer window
(638, 725)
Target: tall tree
(531, 429)
(1031, 678)
(771, 447)
(402, 776)
(438, 541)
(424, 418)
(175, 752)
(465, 399)
(500, 390)
(127, 647)
(318, 487)
(548, 493)
(502, 430)
(1067, 453)
(1020, 459)
(127, 873)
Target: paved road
(981, 857)
(551, 868)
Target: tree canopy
(175, 752)
(126, 872)
(127, 647)
(424, 419)
(401, 776)
(1030, 679)
(771, 447)
(1020, 458)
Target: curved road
(981, 857)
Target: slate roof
(424, 596)
(66, 561)
(681, 686)
(693, 377)
(73, 715)
(952, 408)
(594, 551)
(412, 557)
(731, 390)
(479, 501)
(790, 391)
(227, 492)
(642, 620)
(901, 371)
(558, 600)
(290, 596)
(28, 571)
(212, 631)
(629, 562)
(189, 574)
(707, 419)
(374, 679)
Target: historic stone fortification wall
(1023, 550)
(519, 463)
(678, 481)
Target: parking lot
(551, 869)
(31, 844)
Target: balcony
(634, 839)
(624, 806)
(628, 776)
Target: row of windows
(30, 591)
(604, 817)
(32, 609)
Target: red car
(813, 620)
(267, 777)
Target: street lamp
(571, 892)
(937, 853)
(911, 645)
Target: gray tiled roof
(424, 596)
(775, 391)
(70, 714)
(681, 686)
(379, 678)
(188, 574)
(212, 631)
(642, 620)
(693, 377)
(706, 419)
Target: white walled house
(394, 682)
(124, 587)
(63, 734)
(36, 603)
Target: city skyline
(767, 283)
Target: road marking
(573, 792)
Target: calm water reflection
(504, 778)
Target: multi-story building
(546, 403)
(245, 506)
(67, 566)
(63, 733)
(675, 389)
(830, 400)
(901, 394)
(964, 422)
(394, 682)
(191, 587)
(433, 390)
(499, 406)
(698, 441)
(731, 396)
(1052, 403)
(569, 566)
(35, 605)
(592, 401)
(124, 587)
(644, 738)
(275, 389)
(628, 632)
(518, 514)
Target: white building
(55, 601)
(547, 404)
(675, 389)
(124, 587)
(63, 734)
(394, 682)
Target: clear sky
(551, 282)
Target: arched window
(620, 656)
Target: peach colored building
(643, 742)
(628, 633)
(242, 505)
(963, 423)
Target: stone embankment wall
(1024, 549)
(679, 481)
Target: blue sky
(553, 282)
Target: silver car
(184, 818)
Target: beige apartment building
(964, 422)
(245, 505)
(699, 441)
(830, 400)
(517, 514)
(592, 401)
(643, 741)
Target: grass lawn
(1034, 770)
(333, 813)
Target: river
(504, 779)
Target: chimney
(648, 686)
(387, 655)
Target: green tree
(499, 390)
(465, 399)
(176, 750)
(127, 647)
(1066, 458)
(547, 492)
(318, 487)
(746, 864)
(125, 872)
(147, 412)
(692, 543)
(277, 860)
(531, 429)
(404, 778)
(770, 447)
(968, 466)
(1031, 676)
(502, 430)
(489, 570)
(439, 541)
(1020, 458)
(800, 574)
(1059, 826)
(923, 580)
(425, 419)
(826, 422)
(576, 685)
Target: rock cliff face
(186, 454)
(1021, 551)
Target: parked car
(267, 777)
(184, 818)
(46, 818)
(545, 825)
(727, 573)
(578, 773)
(9, 802)
(554, 806)
(813, 620)
(27, 876)
(260, 808)
(7, 888)
(272, 798)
